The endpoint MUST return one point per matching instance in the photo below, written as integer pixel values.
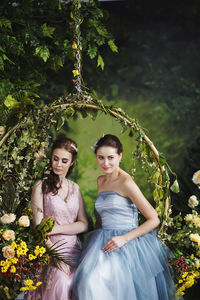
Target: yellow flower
(24, 288)
(75, 73)
(28, 282)
(14, 260)
(32, 287)
(31, 257)
(42, 250)
(74, 45)
(184, 274)
(180, 281)
(38, 283)
(14, 245)
(4, 270)
(13, 269)
(2, 263)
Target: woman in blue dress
(121, 260)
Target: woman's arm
(81, 225)
(37, 202)
(37, 206)
(132, 191)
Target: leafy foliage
(36, 41)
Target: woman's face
(108, 159)
(61, 160)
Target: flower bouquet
(22, 253)
(184, 240)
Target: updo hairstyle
(109, 140)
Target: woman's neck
(113, 176)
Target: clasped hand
(114, 243)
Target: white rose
(8, 218)
(8, 252)
(8, 235)
(196, 177)
(192, 201)
(24, 221)
(2, 130)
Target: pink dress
(56, 284)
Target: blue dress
(137, 271)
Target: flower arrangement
(183, 238)
(22, 252)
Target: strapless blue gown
(137, 271)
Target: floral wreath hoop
(28, 136)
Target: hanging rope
(75, 16)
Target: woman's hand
(114, 243)
(63, 266)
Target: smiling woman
(121, 255)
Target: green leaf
(92, 51)
(100, 62)
(112, 46)
(101, 30)
(175, 187)
(1, 64)
(47, 30)
(5, 22)
(6, 58)
(11, 102)
(43, 52)
(162, 159)
(131, 133)
(60, 123)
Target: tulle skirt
(137, 271)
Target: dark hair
(51, 183)
(109, 140)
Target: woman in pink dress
(59, 197)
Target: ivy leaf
(69, 112)
(112, 46)
(43, 52)
(47, 30)
(11, 102)
(175, 187)
(60, 123)
(100, 62)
